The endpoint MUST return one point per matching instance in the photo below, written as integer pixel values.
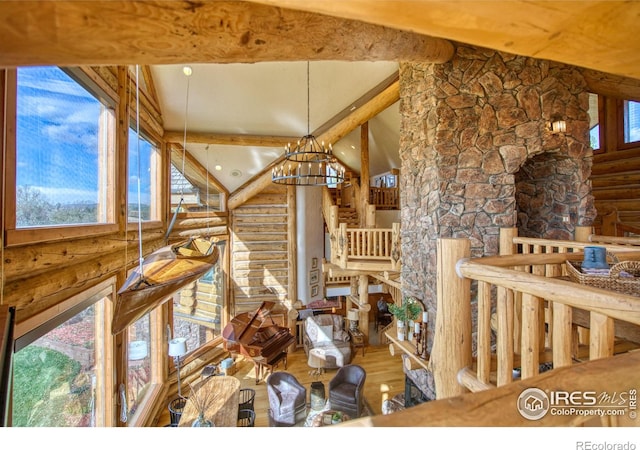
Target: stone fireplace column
(468, 127)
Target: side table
(317, 396)
(357, 340)
(317, 360)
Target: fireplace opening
(548, 193)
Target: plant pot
(401, 328)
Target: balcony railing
(529, 315)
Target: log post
(364, 174)
(369, 216)
(343, 246)
(452, 341)
(601, 336)
(506, 240)
(510, 304)
(562, 335)
(581, 234)
(609, 224)
(484, 332)
(332, 225)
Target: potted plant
(407, 311)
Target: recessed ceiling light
(353, 147)
(218, 167)
(236, 173)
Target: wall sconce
(557, 125)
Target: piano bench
(265, 367)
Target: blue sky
(57, 130)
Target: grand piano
(255, 335)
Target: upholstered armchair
(287, 400)
(326, 334)
(346, 390)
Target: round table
(317, 360)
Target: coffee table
(324, 418)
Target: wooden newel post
(581, 234)
(452, 341)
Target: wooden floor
(385, 379)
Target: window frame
(621, 144)
(19, 236)
(31, 329)
(147, 403)
(602, 119)
(157, 166)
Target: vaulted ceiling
(268, 102)
(249, 81)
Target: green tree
(32, 208)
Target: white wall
(310, 241)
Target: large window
(143, 178)
(631, 121)
(194, 197)
(61, 150)
(197, 309)
(139, 369)
(59, 372)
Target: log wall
(259, 246)
(615, 178)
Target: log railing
(612, 225)
(497, 407)
(535, 313)
(384, 198)
(375, 249)
(534, 308)
(378, 248)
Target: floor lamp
(178, 348)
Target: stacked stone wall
(468, 127)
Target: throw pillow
(325, 333)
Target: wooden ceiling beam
(612, 85)
(595, 34)
(196, 173)
(120, 32)
(228, 139)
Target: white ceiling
(270, 99)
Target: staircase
(349, 216)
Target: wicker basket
(613, 281)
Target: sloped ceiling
(270, 99)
